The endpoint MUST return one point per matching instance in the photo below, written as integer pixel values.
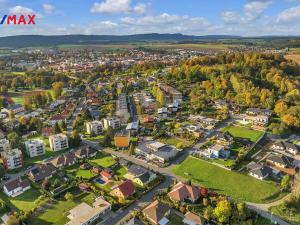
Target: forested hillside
(250, 80)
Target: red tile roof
(127, 188)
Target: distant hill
(40, 40)
(22, 41)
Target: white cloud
(18, 10)
(252, 11)
(48, 8)
(112, 6)
(140, 8)
(291, 15)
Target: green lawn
(244, 132)
(286, 214)
(96, 138)
(175, 140)
(57, 214)
(25, 201)
(239, 186)
(75, 171)
(120, 171)
(104, 160)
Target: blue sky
(194, 17)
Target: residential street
(118, 217)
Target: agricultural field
(208, 46)
(294, 57)
(240, 186)
(244, 132)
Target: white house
(16, 187)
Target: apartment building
(35, 147)
(58, 142)
(12, 159)
(4, 145)
(122, 108)
(94, 127)
(112, 122)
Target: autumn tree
(57, 88)
(222, 211)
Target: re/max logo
(18, 20)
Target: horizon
(246, 18)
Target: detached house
(182, 192)
(282, 163)
(140, 175)
(57, 119)
(285, 146)
(157, 213)
(42, 172)
(85, 152)
(66, 159)
(124, 190)
(16, 187)
(218, 151)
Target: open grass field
(24, 202)
(239, 186)
(104, 160)
(57, 214)
(291, 217)
(244, 132)
(204, 46)
(18, 96)
(294, 57)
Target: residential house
(139, 175)
(133, 127)
(282, 163)
(57, 119)
(35, 147)
(41, 172)
(48, 131)
(193, 219)
(16, 187)
(124, 190)
(133, 221)
(218, 151)
(58, 142)
(285, 146)
(182, 192)
(157, 213)
(221, 104)
(84, 214)
(94, 127)
(85, 152)
(16, 108)
(257, 111)
(12, 159)
(4, 145)
(66, 159)
(162, 112)
(122, 139)
(225, 139)
(106, 175)
(122, 108)
(260, 172)
(112, 122)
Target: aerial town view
(150, 112)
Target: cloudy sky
(196, 17)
